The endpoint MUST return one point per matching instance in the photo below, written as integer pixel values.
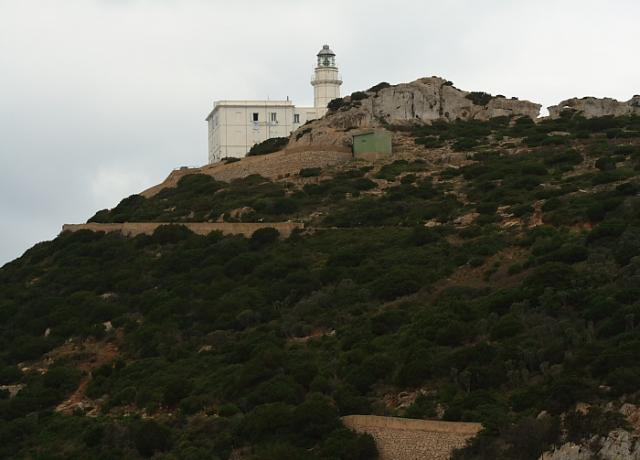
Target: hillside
(487, 272)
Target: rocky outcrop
(421, 101)
(618, 445)
(592, 107)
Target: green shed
(374, 141)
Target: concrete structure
(372, 141)
(235, 126)
(201, 228)
(411, 439)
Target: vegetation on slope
(519, 297)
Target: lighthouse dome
(326, 51)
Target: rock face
(618, 445)
(422, 101)
(591, 107)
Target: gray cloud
(102, 98)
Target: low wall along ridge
(201, 228)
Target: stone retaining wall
(410, 439)
(201, 228)
(272, 166)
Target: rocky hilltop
(421, 101)
(430, 99)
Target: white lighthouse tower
(326, 80)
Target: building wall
(376, 141)
(233, 131)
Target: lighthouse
(236, 126)
(326, 80)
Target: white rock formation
(591, 107)
(618, 445)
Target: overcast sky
(100, 99)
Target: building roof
(249, 103)
(369, 131)
(326, 51)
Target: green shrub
(267, 146)
(605, 164)
(264, 236)
(335, 104)
(151, 437)
(378, 87)
(171, 234)
(310, 172)
(430, 142)
(465, 144)
(479, 97)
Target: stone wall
(201, 228)
(409, 439)
(272, 166)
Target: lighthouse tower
(326, 80)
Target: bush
(605, 164)
(150, 437)
(310, 172)
(358, 96)
(171, 234)
(267, 146)
(507, 326)
(378, 87)
(430, 142)
(581, 427)
(263, 237)
(9, 375)
(315, 418)
(335, 104)
(464, 144)
(530, 437)
(479, 97)
(344, 444)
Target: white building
(236, 126)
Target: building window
(255, 116)
(296, 118)
(274, 116)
